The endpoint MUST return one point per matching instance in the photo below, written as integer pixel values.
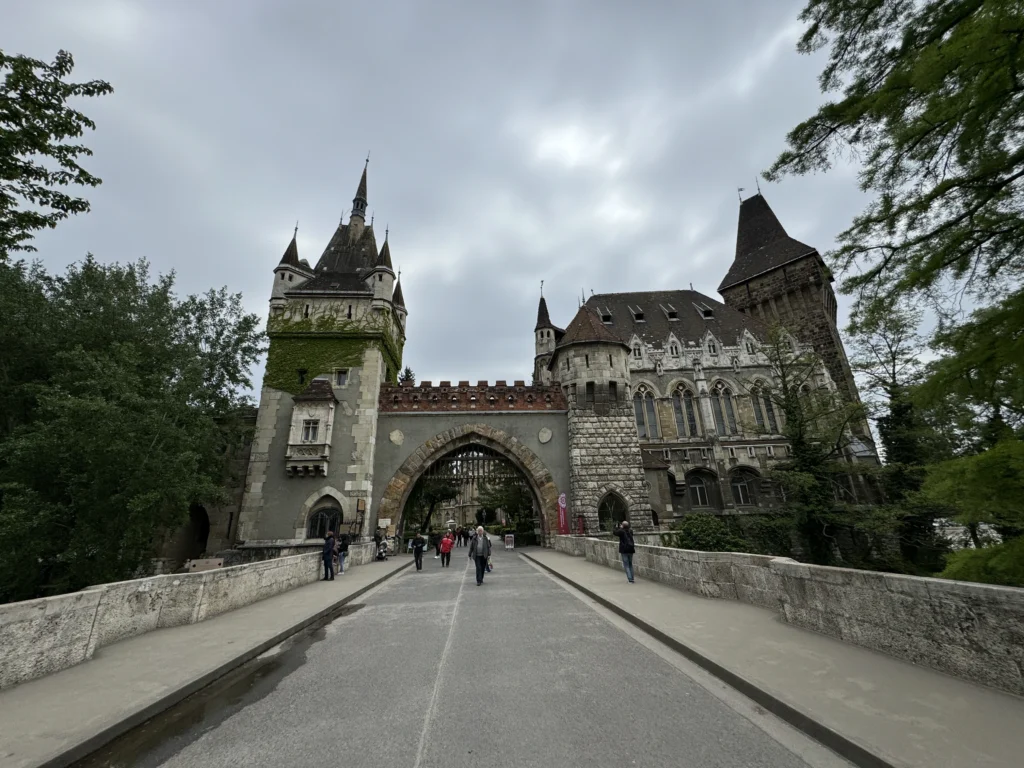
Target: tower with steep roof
(546, 336)
(336, 335)
(780, 280)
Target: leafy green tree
(38, 155)
(930, 101)
(429, 492)
(125, 414)
(999, 564)
(407, 376)
(512, 496)
(705, 533)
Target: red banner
(563, 516)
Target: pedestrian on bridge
(342, 547)
(328, 555)
(446, 549)
(626, 547)
(418, 545)
(480, 552)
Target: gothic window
(636, 352)
(751, 349)
(310, 430)
(673, 349)
(610, 511)
(698, 492)
(322, 521)
(764, 411)
(712, 348)
(722, 408)
(686, 413)
(743, 485)
(643, 408)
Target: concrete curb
(803, 722)
(108, 734)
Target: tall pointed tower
(780, 280)
(546, 335)
(336, 333)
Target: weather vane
(542, 288)
(738, 191)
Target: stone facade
(647, 405)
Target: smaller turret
(289, 274)
(398, 302)
(591, 363)
(381, 279)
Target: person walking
(626, 547)
(328, 555)
(446, 549)
(479, 552)
(342, 551)
(437, 545)
(418, 545)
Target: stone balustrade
(972, 631)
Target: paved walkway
(434, 671)
(906, 714)
(43, 719)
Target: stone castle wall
(464, 396)
(604, 456)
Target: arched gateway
(540, 480)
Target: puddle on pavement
(161, 737)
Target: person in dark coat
(626, 547)
(329, 556)
(418, 545)
(479, 552)
(342, 548)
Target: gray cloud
(596, 146)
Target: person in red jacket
(446, 549)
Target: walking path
(905, 714)
(59, 718)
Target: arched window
(643, 408)
(744, 488)
(323, 520)
(702, 490)
(685, 407)
(722, 407)
(698, 491)
(610, 511)
(764, 410)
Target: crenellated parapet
(464, 396)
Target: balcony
(307, 459)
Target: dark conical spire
(543, 318)
(384, 259)
(359, 201)
(761, 243)
(396, 298)
(291, 253)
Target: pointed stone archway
(392, 502)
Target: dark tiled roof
(318, 389)
(761, 243)
(291, 254)
(587, 327)
(397, 298)
(332, 282)
(690, 324)
(361, 191)
(340, 255)
(543, 318)
(384, 259)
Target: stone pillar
(259, 459)
(359, 473)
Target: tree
(705, 533)
(123, 415)
(887, 356)
(932, 103)
(37, 152)
(407, 376)
(427, 494)
(509, 494)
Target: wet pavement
(431, 670)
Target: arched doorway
(536, 475)
(611, 511)
(326, 516)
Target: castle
(646, 406)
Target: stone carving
(544, 435)
(396, 437)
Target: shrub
(706, 533)
(1000, 564)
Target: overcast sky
(597, 146)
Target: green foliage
(999, 564)
(509, 494)
(316, 356)
(407, 376)
(426, 495)
(36, 156)
(118, 411)
(706, 533)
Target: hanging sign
(563, 516)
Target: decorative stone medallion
(544, 435)
(397, 437)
